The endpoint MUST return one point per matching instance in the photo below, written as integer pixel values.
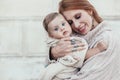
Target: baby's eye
(63, 24)
(70, 22)
(56, 29)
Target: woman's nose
(76, 24)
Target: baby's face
(59, 28)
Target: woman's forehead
(71, 13)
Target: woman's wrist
(52, 51)
(92, 52)
(102, 46)
(50, 54)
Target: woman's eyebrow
(77, 14)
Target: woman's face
(80, 20)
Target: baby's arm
(101, 46)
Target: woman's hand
(102, 46)
(66, 46)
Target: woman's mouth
(82, 29)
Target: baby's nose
(62, 28)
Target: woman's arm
(64, 47)
(101, 46)
(59, 50)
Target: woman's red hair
(66, 5)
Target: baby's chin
(67, 36)
(66, 33)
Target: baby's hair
(48, 19)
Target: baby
(63, 68)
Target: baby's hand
(102, 46)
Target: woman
(86, 23)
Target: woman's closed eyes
(78, 16)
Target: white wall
(24, 7)
(107, 7)
(21, 30)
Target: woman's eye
(70, 22)
(56, 29)
(77, 16)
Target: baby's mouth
(65, 32)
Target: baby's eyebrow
(62, 21)
(56, 26)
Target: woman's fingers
(74, 48)
(66, 46)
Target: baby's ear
(50, 35)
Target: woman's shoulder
(104, 24)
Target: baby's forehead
(58, 19)
(59, 16)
